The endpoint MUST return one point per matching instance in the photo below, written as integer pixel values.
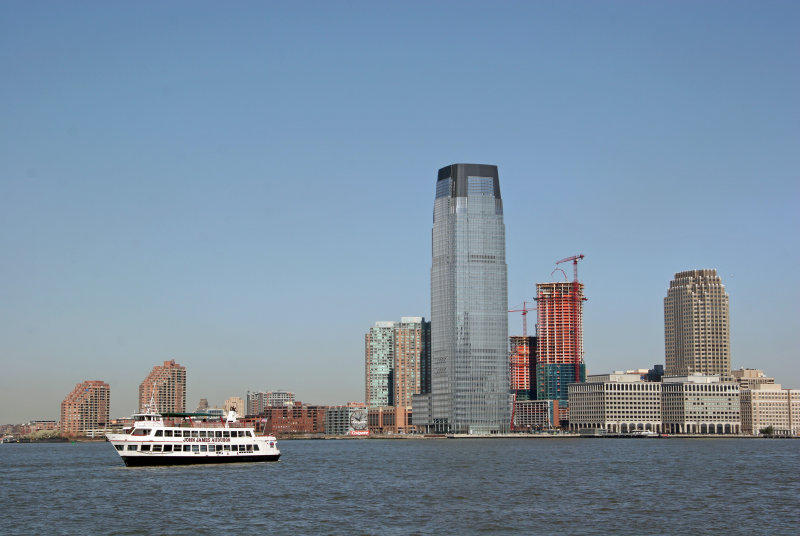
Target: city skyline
(238, 203)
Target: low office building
(351, 419)
(700, 404)
(259, 402)
(383, 420)
(767, 405)
(618, 402)
(533, 415)
(297, 418)
(747, 378)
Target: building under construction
(558, 360)
(522, 352)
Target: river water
(433, 486)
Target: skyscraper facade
(379, 361)
(395, 356)
(166, 386)
(469, 306)
(86, 408)
(559, 343)
(697, 333)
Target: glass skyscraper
(469, 306)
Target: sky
(248, 187)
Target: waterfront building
(700, 404)
(277, 399)
(697, 325)
(256, 402)
(395, 353)
(202, 405)
(748, 378)
(469, 306)
(350, 419)
(235, 403)
(382, 420)
(558, 359)
(166, 386)
(85, 410)
(534, 415)
(295, 418)
(522, 353)
(765, 405)
(618, 402)
(32, 427)
(259, 401)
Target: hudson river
(436, 486)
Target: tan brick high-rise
(166, 385)
(697, 332)
(85, 409)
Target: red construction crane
(524, 312)
(576, 316)
(574, 259)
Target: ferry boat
(181, 439)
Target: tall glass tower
(469, 304)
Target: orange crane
(576, 316)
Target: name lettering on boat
(206, 439)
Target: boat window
(203, 448)
(141, 431)
(218, 433)
(145, 447)
(212, 448)
(255, 447)
(249, 433)
(187, 448)
(156, 448)
(132, 447)
(202, 433)
(241, 448)
(195, 448)
(187, 433)
(167, 433)
(240, 433)
(226, 433)
(119, 447)
(167, 448)
(249, 448)
(195, 433)
(226, 447)
(159, 433)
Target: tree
(768, 431)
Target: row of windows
(189, 448)
(193, 433)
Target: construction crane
(524, 312)
(576, 316)
(574, 259)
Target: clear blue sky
(247, 187)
